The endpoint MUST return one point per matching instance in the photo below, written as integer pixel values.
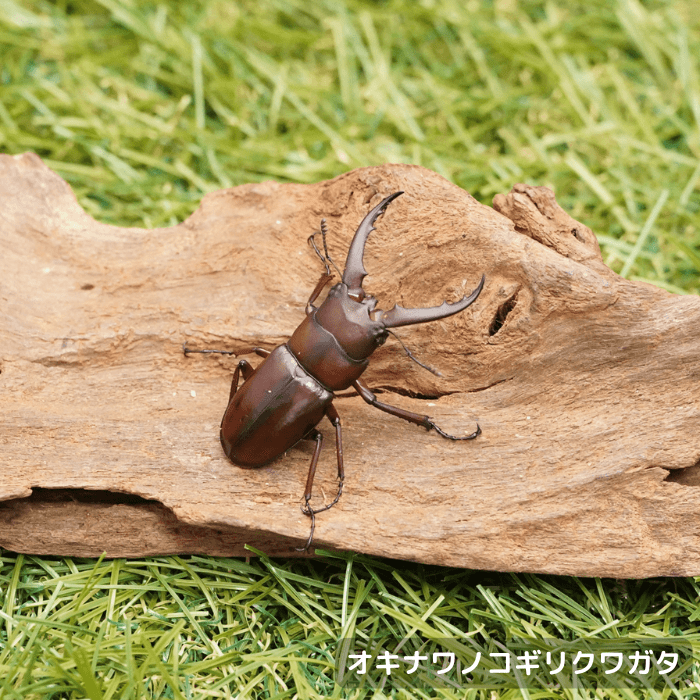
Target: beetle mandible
(285, 398)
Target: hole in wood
(690, 476)
(405, 392)
(90, 523)
(88, 286)
(41, 495)
(502, 314)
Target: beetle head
(349, 313)
(351, 323)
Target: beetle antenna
(324, 232)
(412, 357)
(312, 241)
(325, 259)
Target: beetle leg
(243, 367)
(409, 416)
(325, 279)
(318, 436)
(246, 369)
(306, 509)
(258, 351)
(334, 418)
(186, 351)
(311, 240)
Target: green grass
(200, 627)
(145, 107)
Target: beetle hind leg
(306, 509)
(334, 418)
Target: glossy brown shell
(272, 410)
(319, 351)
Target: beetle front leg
(409, 416)
(325, 279)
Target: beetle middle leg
(187, 351)
(246, 369)
(409, 416)
(334, 418)
(242, 368)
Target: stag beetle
(285, 398)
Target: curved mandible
(398, 316)
(355, 271)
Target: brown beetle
(285, 398)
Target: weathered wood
(585, 384)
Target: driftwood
(585, 384)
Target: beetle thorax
(350, 322)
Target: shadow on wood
(585, 384)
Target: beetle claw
(307, 510)
(439, 431)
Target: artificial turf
(143, 107)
